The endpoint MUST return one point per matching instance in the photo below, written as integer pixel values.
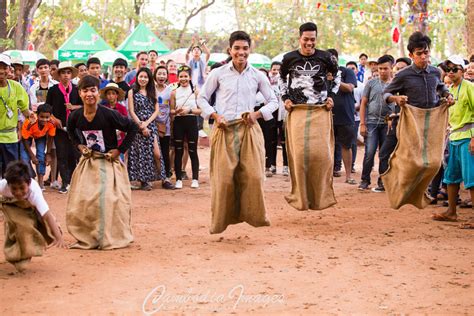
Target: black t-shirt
(122, 85)
(101, 134)
(303, 79)
(344, 102)
(56, 99)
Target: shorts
(460, 167)
(344, 135)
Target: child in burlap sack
(30, 227)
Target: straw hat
(68, 65)
(112, 86)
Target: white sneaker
(285, 171)
(179, 184)
(195, 184)
(55, 185)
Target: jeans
(40, 144)
(337, 157)
(8, 153)
(354, 144)
(186, 127)
(386, 151)
(376, 134)
(67, 156)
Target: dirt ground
(359, 257)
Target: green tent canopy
(141, 39)
(83, 43)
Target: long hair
(188, 70)
(150, 86)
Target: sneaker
(353, 170)
(55, 185)
(364, 185)
(378, 189)
(268, 173)
(178, 184)
(184, 176)
(336, 173)
(273, 169)
(146, 186)
(195, 184)
(285, 171)
(63, 190)
(167, 185)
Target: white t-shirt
(34, 196)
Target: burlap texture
(98, 210)
(310, 147)
(26, 235)
(237, 167)
(417, 157)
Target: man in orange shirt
(42, 130)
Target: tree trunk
(192, 14)
(237, 14)
(401, 45)
(25, 17)
(3, 23)
(470, 27)
(138, 6)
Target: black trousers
(281, 137)
(186, 128)
(165, 151)
(387, 149)
(67, 156)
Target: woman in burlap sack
(145, 163)
(29, 224)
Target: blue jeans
(376, 134)
(40, 154)
(354, 144)
(8, 153)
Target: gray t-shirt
(376, 109)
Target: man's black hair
(239, 36)
(405, 60)
(141, 53)
(418, 40)
(44, 108)
(352, 63)
(88, 81)
(333, 52)
(443, 66)
(42, 62)
(471, 59)
(91, 136)
(93, 60)
(265, 71)
(363, 55)
(308, 27)
(79, 65)
(17, 172)
(275, 63)
(153, 51)
(120, 62)
(54, 62)
(216, 65)
(385, 59)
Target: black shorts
(344, 135)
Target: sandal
(443, 218)
(351, 181)
(336, 174)
(466, 204)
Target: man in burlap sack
(237, 147)
(30, 226)
(308, 97)
(460, 166)
(416, 150)
(98, 211)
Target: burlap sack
(417, 157)
(26, 234)
(310, 147)
(237, 172)
(98, 210)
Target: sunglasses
(454, 70)
(184, 68)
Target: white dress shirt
(236, 93)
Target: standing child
(112, 94)
(28, 221)
(42, 130)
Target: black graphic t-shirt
(303, 79)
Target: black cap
(405, 60)
(120, 62)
